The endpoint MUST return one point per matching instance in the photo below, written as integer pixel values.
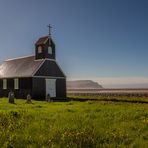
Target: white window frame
(4, 83)
(49, 50)
(16, 83)
(40, 49)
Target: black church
(37, 75)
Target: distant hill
(83, 84)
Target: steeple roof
(42, 40)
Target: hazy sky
(94, 38)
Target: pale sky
(103, 40)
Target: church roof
(28, 67)
(20, 67)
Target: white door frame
(50, 87)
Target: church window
(16, 83)
(49, 50)
(4, 83)
(40, 49)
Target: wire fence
(109, 92)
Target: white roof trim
(42, 64)
(19, 58)
(38, 68)
(47, 77)
(16, 77)
(60, 68)
(46, 40)
(50, 59)
(39, 60)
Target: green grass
(73, 124)
(110, 98)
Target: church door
(51, 87)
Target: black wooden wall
(38, 89)
(25, 87)
(34, 86)
(61, 88)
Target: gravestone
(11, 97)
(48, 99)
(28, 98)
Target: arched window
(40, 49)
(4, 83)
(16, 83)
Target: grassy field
(110, 98)
(73, 124)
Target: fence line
(108, 94)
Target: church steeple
(45, 47)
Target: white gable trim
(15, 77)
(50, 59)
(43, 63)
(18, 58)
(57, 64)
(38, 68)
(60, 69)
(46, 40)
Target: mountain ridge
(83, 84)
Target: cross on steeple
(49, 26)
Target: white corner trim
(60, 68)
(50, 59)
(18, 58)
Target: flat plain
(75, 124)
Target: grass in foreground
(73, 124)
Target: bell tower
(45, 47)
